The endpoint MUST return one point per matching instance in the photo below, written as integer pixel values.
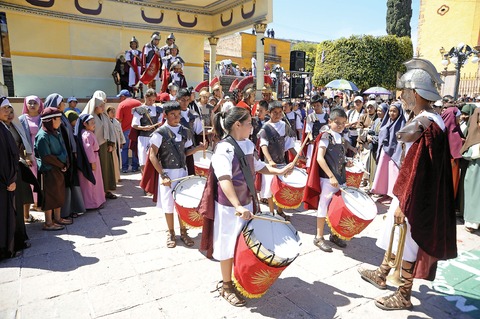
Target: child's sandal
(230, 294)
(185, 238)
(171, 240)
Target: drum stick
(351, 197)
(295, 160)
(204, 140)
(180, 178)
(266, 218)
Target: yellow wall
(460, 24)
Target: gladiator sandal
(185, 238)
(377, 277)
(171, 240)
(400, 299)
(230, 294)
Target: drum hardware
(396, 278)
(266, 218)
(204, 139)
(350, 196)
(180, 178)
(186, 195)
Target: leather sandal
(171, 239)
(185, 238)
(230, 294)
(337, 241)
(375, 277)
(320, 243)
(395, 301)
(63, 221)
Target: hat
(371, 97)
(438, 103)
(72, 99)
(163, 97)
(371, 102)
(155, 36)
(171, 36)
(49, 113)
(124, 93)
(358, 98)
(4, 101)
(71, 115)
(421, 76)
(227, 97)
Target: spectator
(72, 105)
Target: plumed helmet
(134, 40)
(171, 36)
(155, 36)
(422, 77)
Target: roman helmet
(155, 36)
(422, 77)
(134, 40)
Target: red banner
(135, 66)
(151, 71)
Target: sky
(319, 20)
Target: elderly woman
(73, 205)
(30, 120)
(8, 175)
(52, 161)
(388, 156)
(105, 134)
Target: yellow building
(241, 47)
(70, 47)
(445, 24)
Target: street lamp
(278, 70)
(459, 56)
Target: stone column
(260, 30)
(213, 58)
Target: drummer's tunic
(227, 226)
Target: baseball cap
(124, 93)
(72, 99)
(358, 98)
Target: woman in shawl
(31, 123)
(105, 134)
(52, 161)
(119, 141)
(73, 205)
(90, 170)
(471, 152)
(372, 141)
(365, 122)
(8, 175)
(451, 117)
(388, 160)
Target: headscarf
(83, 163)
(454, 133)
(108, 130)
(100, 95)
(53, 100)
(29, 98)
(473, 136)
(48, 114)
(384, 107)
(386, 136)
(468, 109)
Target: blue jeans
(125, 155)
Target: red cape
(425, 191)
(149, 181)
(207, 209)
(311, 194)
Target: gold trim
(77, 57)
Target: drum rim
(201, 152)
(274, 261)
(174, 191)
(369, 199)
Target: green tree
(399, 14)
(310, 54)
(365, 60)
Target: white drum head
(202, 162)
(355, 168)
(279, 238)
(188, 192)
(297, 179)
(359, 203)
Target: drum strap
(245, 170)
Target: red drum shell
(189, 215)
(200, 168)
(285, 195)
(354, 178)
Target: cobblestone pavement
(113, 263)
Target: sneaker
(337, 241)
(322, 244)
(124, 171)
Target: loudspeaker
(297, 87)
(297, 61)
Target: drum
(301, 163)
(264, 249)
(354, 175)
(186, 196)
(350, 212)
(288, 191)
(202, 165)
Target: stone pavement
(113, 263)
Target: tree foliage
(310, 54)
(365, 60)
(399, 14)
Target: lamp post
(278, 82)
(458, 56)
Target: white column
(260, 30)
(213, 57)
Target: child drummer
(170, 144)
(325, 178)
(276, 137)
(228, 193)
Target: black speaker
(297, 61)
(297, 87)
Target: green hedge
(365, 60)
